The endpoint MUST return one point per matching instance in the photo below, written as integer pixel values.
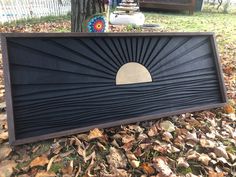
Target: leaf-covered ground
(192, 144)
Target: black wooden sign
(60, 84)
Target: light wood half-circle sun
(131, 73)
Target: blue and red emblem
(96, 24)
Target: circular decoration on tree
(96, 23)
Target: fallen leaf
(153, 131)
(134, 163)
(162, 167)
(67, 153)
(132, 160)
(56, 148)
(207, 143)
(89, 168)
(95, 133)
(229, 109)
(114, 143)
(215, 174)
(116, 159)
(136, 128)
(127, 139)
(91, 156)
(50, 162)
(147, 168)
(36, 148)
(45, 174)
(68, 169)
(167, 136)
(211, 135)
(127, 146)
(232, 156)
(142, 136)
(221, 152)
(204, 158)
(120, 173)
(6, 168)
(4, 135)
(23, 175)
(131, 156)
(192, 136)
(5, 150)
(101, 146)
(39, 161)
(167, 126)
(192, 155)
(160, 148)
(181, 162)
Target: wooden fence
(11, 10)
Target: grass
(221, 24)
(33, 21)
(209, 20)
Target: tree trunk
(82, 9)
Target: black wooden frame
(9, 101)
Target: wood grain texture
(65, 83)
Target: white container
(127, 19)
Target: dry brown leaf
(207, 143)
(56, 148)
(136, 128)
(128, 146)
(147, 168)
(88, 170)
(39, 161)
(167, 136)
(101, 146)
(45, 174)
(50, 162)
(91, 156)
(24, 175)
(5, 150)
(192, 155)
(4, 135)
(162, 166)
(204, 158)
(134, 163)
(68, 169)
(221, 152)
(67, 153)
(232, 156)
(192, 136)
(160, 148)
(78, 171)
(142, 136)
(229, 109)
(215, 174)
(83, 137)
(167, 126)
(153, 130)
(179, 141)
(36, 148)
(181, 162)
(95, 133)
(120, 173)
(131, 156)
(6, 168)
(128, 138)
(145, 145)
(132, 159)
(116, 159)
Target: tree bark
(82, 9)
